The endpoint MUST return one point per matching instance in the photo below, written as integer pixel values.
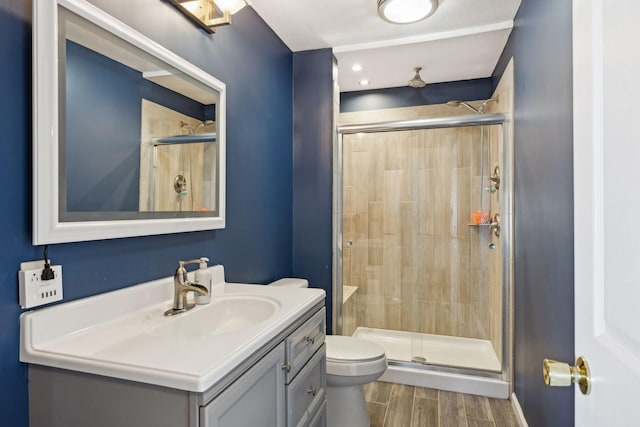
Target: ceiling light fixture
(210, 14)
(356, 67)
(416, 81)
(406, 11)
(364, 82)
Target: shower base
(463, 365)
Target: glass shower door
(415, 267)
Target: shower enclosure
(423, 248)
(178, 161)
(180, 180)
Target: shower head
(480, 110)
(484, 104)
(205, 123)
(192, 130)
(458, 103)
(416, 81)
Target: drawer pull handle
(286, 367)
(312, 391)
(310, 340)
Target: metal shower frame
(507, 222)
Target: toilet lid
(340, 348)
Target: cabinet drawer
(319, 419)
(303, 343)
(307, 392)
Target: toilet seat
(348, 356)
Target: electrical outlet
(33, 290)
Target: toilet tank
(290, 282)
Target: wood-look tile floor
(397, 405)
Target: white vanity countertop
(109, 334)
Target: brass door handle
(560, 374)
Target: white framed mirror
(129, 138)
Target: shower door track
(431, 123)
(448, 369)
(507, 240)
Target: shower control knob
(492, 246)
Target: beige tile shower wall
(185, 159)
(171, 160)
(405, 113)
(408, 199)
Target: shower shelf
(347, 292)
(479, 225)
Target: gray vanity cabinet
(303, 343)
(287, 387)
(257, 398)
(282, 384)
(320, 418)
(306, 394)
(306, 372)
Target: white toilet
(351, 363)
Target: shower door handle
(495, 225)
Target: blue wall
(255, 246)
(313, 133)
(434, 93)
(541, 46)
(104, 100)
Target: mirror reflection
(137, 136)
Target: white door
(606, 60)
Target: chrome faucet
(181, 287)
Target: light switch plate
(33, 290)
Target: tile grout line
(464, 408)
(386, 411)
(438, 407)
(493, 417)
(413, 406)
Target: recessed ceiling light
(364, 82)
(356, 67)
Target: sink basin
(220, 316)
(124, 334)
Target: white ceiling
(462, 40)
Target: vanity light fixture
(210, 14)
(406, 11)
